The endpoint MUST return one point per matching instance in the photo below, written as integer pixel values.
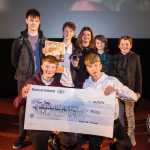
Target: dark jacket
(36, 80)
(22, 57)
(107, 64)
(133, 69)
(82, 73)
(72, 71)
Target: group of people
(95, 69)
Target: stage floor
(9, 127)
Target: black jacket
(82, 73)
(134, 72)
(22, 56)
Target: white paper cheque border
(70, 110)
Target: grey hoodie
(124, 92)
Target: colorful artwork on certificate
(56, 49)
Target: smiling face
(125, 46)
(33, 23)
(94, 69)
(68, 33)
(99, 44)
(48, 69)
(86, 37)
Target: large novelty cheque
(70, 110)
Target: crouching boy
(100, 81)
(39, 139)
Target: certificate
(70, 110)
(56, 49)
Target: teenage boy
(26, 57)
(39, 139)
(100, 81)
(127, 68)
(68, 78)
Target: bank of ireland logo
(148, 123)
(31, 115)
(60, 91)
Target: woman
(85, 46)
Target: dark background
(8, 86)
(130, 18)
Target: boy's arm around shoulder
(124, 92)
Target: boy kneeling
(39, 139)
(100, 81)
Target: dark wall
(8, 86)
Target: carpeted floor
(9, 127)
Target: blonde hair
(91, 59)
(50, 59)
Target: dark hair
(79, 39)
(70, 25)
(102, 38)
(125, 37)
(33, 13)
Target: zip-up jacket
(133, 68)
(22, 57)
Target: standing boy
(26, 57)
(100, 81)
(127, 68)
(106, 59)
(39, 138)
(68, 78)
(84, 46)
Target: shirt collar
(68, 49)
